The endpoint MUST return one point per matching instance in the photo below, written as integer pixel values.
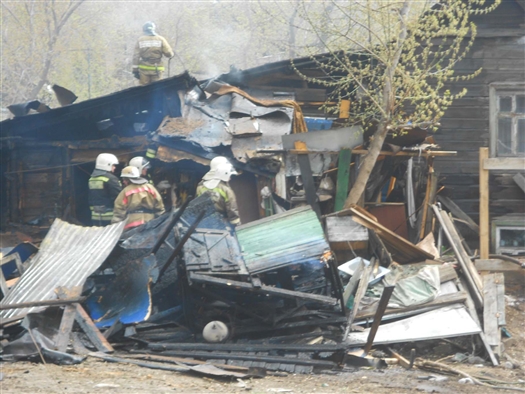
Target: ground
(97, 376)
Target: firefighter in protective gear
(216, 184)
(214, 163)
(147, 58)
(143, 166)
(139, 202)
(104, 187)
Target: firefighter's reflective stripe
(204, 189)
(150, 44)
(138, 190)
(98, 182)
(151, 153)
(151, 68)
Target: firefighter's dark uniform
(148, 57)
(224, 200)
(104, 187)
(138, 204)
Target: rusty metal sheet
(67, 256)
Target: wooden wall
(500, 52)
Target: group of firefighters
(140, 201)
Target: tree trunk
(367, 165)
(387, 111)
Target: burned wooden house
(47, 158)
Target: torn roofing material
(295, 236)
(67, 256)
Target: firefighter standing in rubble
(139, 202)
(147, 58)
(104, 187)
(215, 182)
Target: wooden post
(484, 240)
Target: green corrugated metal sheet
(295, 236)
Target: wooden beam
(503, 163)
(472, 310)
(496, 265)
(429, 153)
(361, 290)
(493, 295)
(68, 318)
(458, 213)
(484, 226)
(381, 307)
(92, 331)
(30, 304)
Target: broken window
(507, 120)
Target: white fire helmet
(224, 172)
(139, 162)
(215, 331)
(216, 161)
(106, 161)
(130, 172)
(214, 164)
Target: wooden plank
(496, 265)
(484, 225)
(381, 307)
(361, 289)
(500, 292)
(68, 318)
(308, 182)
(402, 250)
(503, 163)
(92, 331)
(352, 284)
(343, 229)
(472, 276)
(430, 196)
(343, 177)
(458, 213)
(473, 313)
(408, 153)
(491, 314)
(30, 304)
(520, 181)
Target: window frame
(495, 91)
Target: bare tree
(392, 60)
(30, 33)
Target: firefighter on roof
(147, 58)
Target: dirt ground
(97, 376)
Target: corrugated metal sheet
(295, 236)
(67, 256)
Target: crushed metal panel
(329, 141)
(272, 127)
(170, 155)
(293, 237)
(127, 298)
(450, 321)
(67, 256)
(213, 251)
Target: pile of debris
(187, 292)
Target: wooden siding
(465, 126)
